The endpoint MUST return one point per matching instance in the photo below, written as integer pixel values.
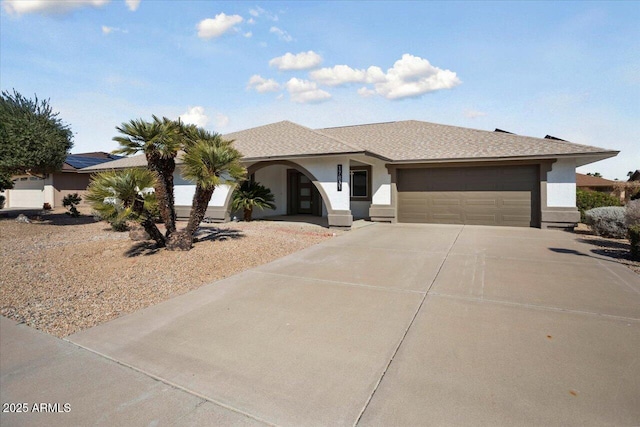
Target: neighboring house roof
(592, 181)
(396, 142)
(74, 162)
(139, 160)
(635, 176)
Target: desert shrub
(632, 213)
(70, 201)
(634, 239)
(2, 199)
(586, 200)
(607, 221)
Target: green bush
(634, 238)
(71, 201)
(632, 213)
(2, 199)
(607, 221)
(586, 200)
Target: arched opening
(296, 194)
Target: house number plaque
(339, 177)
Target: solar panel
(80, 162)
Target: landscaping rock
(137, 232)
(23, 219)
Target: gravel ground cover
(618, 249)
(62, 275)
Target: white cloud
(195, 116)
(251, 21)
(472, 114)
(47, 7)
(132, 4)
(282, 34)
(209, 28)
(343, 74)
(108, 30)
(248, 34)
(304, 91)
(365, 92)
(300, 61)
(413, 76)
(258, 11)
(221, 120)
(262, 85)
(410, 76)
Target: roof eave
(300, 156)
(592, 157)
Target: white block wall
(184, 191)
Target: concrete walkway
(385, 325)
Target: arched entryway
(304, 194)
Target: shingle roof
(592, 181)
(287, 139)
(414, 140)
(403, 141)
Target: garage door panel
(27, 192)
(505, 195)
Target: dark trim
(611, 153)
(366, 198)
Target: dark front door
(304, 198)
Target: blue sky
(568, 69)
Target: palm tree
(160, 140)
(126, 195)
(208, 161)
(251, 195)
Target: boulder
(22, 218)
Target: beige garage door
(27, 192)
(495, 195)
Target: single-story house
(406, 171)
(601, 185)
(33, 192)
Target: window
(360, 183)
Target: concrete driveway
(386, 325)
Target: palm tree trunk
(164, 189)
(201, 200)
(183, 240)
(149, 225)
(247, 214)
(152, 229)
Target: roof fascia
(598, 155)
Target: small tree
(209, 161)
(126, 195)
(70, 201)
(33, 139)
(159, 140)
(250, 196)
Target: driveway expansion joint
(535, 307)
(340, 283)
(174, 385)
(404, 335)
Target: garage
(27, 192)
(491, 195)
